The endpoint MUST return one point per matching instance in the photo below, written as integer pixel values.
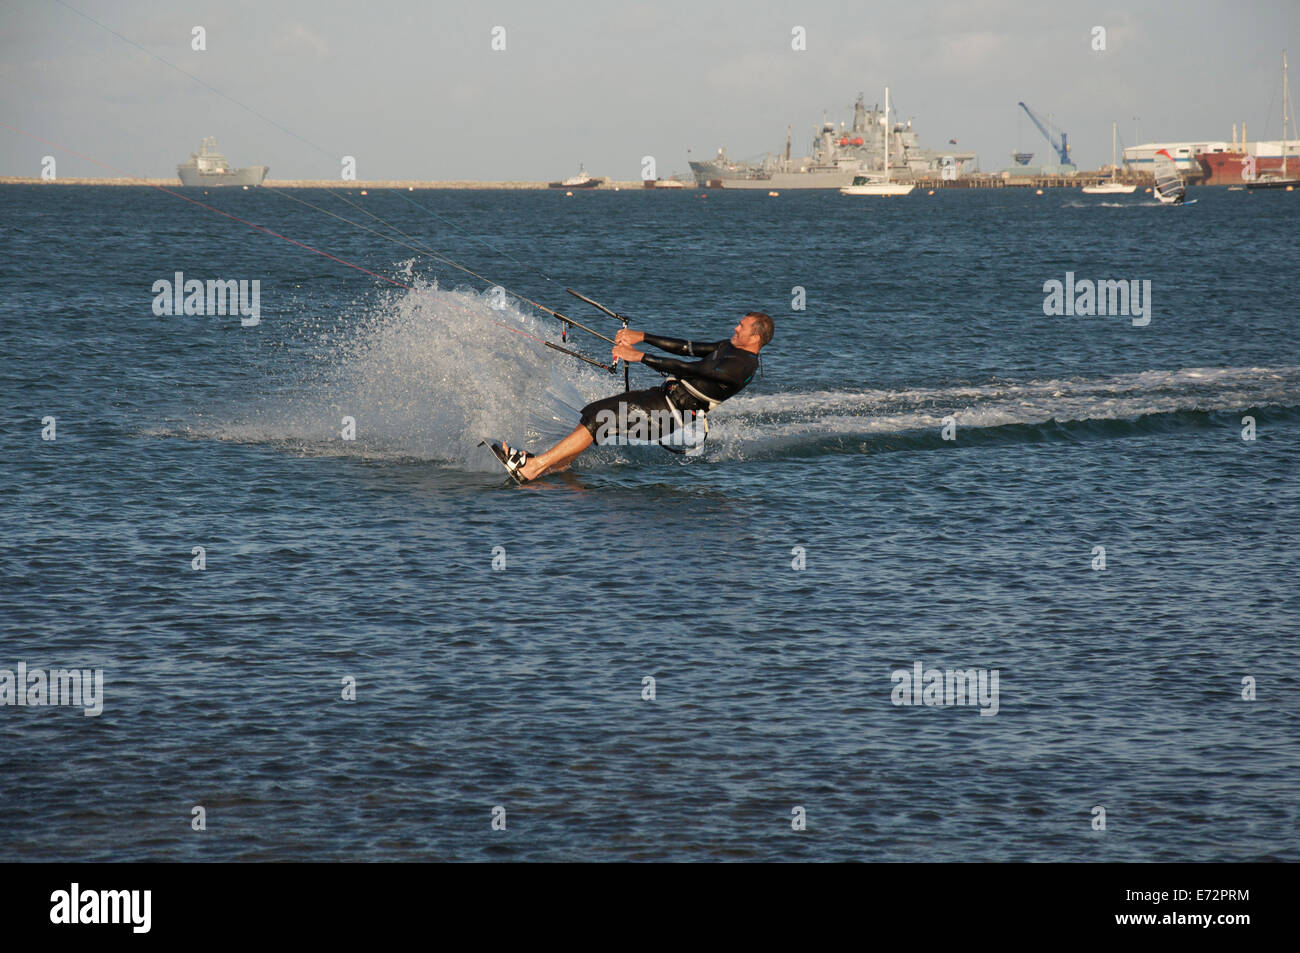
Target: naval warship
(208, 167)
(836, 157)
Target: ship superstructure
(208, 167)
(836, 156)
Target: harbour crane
(1061, 146)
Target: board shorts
(653, 415)
(635, 415)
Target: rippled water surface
(521, 687)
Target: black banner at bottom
(649, 903)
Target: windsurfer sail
(1169, 187)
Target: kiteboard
(500, 454)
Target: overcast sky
(414, 90)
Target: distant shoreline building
(1142, 158)
(1219, 163)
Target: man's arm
(685, 348)
(723, 373)
(671, 345)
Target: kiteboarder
(692, 388)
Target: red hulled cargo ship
(1256, 164)
(1239, 167)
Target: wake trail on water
(778, 423)
(1139, 203)
(429, 372)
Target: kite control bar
(596, 304)
(617, 317)
(581, 357)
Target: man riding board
(692, 387)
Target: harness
(700, 416)
(709, 402)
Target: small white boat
(1112, 187)
(871, 185)
(1109, 188)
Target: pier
(995, 180)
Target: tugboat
(208, 167)
(580, 181)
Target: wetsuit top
(725, 370)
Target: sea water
(324, 616)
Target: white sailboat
(1270, 180)
(1112, 187)
(869, 185)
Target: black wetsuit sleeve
(684, 348)
(695, 370)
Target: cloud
(972, 51)
(299, 39)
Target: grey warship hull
(253, 175)
(709, 172)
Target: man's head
(753, 332)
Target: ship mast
(1284, 99)
(1114, 147)
(886, 134)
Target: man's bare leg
(559, 456)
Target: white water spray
(427, 374)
